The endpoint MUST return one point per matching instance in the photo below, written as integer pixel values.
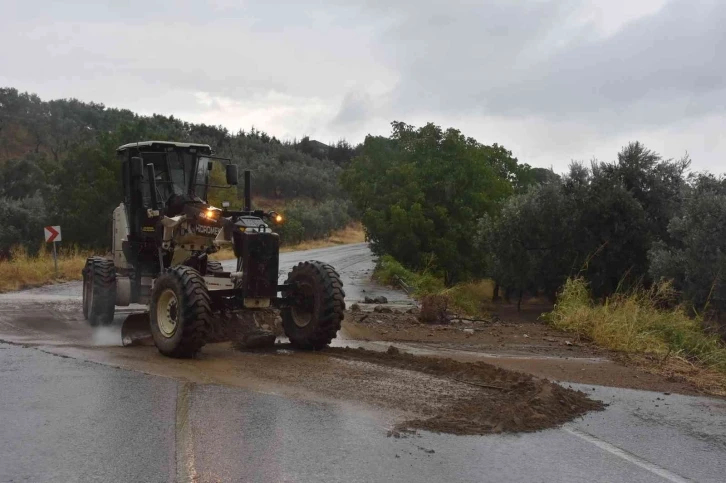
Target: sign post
(53, 235)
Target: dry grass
(472, 298)
(679, 369)
(663, 339)
(24, 271)
(350, 234)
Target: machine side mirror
(231, 172)
(136, 167)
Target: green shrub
(468, 298)
(641, 320)
(390, 272)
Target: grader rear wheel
(99, 291)
(313, 317)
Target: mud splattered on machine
(163, 233)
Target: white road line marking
(626, 455)
(185, 467)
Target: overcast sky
(552, 80)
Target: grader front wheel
(180, 312)
(317, 302)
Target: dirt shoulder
(519, 341)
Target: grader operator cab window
(176, 173)
(201, 179)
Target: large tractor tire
(99, 291)
(317, 302)
(180, 312)
(213, 266)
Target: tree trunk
(519, 300)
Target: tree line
(58, 166)
(443, 203)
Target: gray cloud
(551, 79)
(355, 107)
(505, 60)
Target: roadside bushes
(694, 257)
(640, 321)
(469, 298)
(598, 222)
(309, 221)
(21, 223)
(390, 272)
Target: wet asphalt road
(354, 263)
(67, 419)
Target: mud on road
(516, 340)
(501, 400)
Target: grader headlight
(211, 213)
(276, 217)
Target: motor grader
(163, 233)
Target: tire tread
(331, 310)
(195, 311)
(103, 273)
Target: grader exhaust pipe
(248, 191)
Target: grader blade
(253, 330)
(136, 331)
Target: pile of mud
(503, 401)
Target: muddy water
(50, 320)
(58, 328)
(407, 386)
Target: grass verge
(643, 323)
(26, 271)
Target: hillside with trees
(434, 199)
(58, 166)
